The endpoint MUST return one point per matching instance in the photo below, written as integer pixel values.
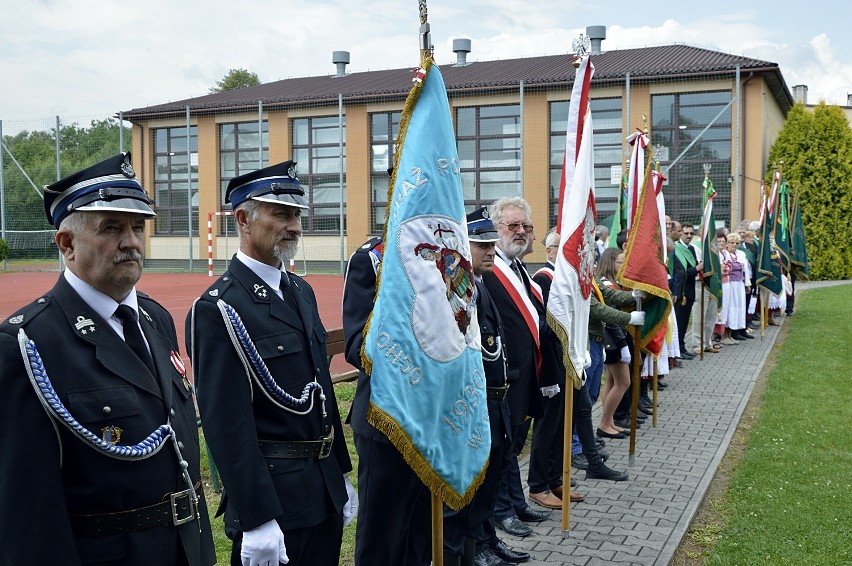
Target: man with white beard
(267, 403)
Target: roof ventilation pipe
(596, 35)
(341, 59)
(461, 47)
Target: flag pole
(634, 402)
(437, 504)
(654, 408)
(568, 435)
(703, 309)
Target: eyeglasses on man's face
(515, 226)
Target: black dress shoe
(486, 557)
(604, 472)
(579, 461)
(661, 384)
(625, 424)
(686, 355)
(646, 410)
(502, 550)
(530, 515)
(605, 434)
(514, 526)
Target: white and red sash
(518, 293)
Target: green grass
(344, 392)
(790, 499)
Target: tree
(236, 78)
(816, 147)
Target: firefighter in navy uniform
(77, 483)
(466, 541)
(267, 403)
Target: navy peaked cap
(480, 228)
(276, 184)
(108, 185)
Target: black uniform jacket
(236, 413)
(552, 364)
(524, 397)
(47, 473)
(359, 292)
(491, 328)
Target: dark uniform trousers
(394, 511)
(48, 473)
(469, 523)
(305, 495)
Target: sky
(83, 59)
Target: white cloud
(91, 57)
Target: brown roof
(646, 64)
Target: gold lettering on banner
(398, 358)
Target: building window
(608, 148)
(316, 149)
(241, 151)
(690, 130)
(489, 144)
(384, 128)
(175, 177)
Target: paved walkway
(642, 521)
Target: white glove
(638, 294)
(637, 318)
(263, 545)
(550, 391)
(625, 355)
(350, 508)
(587, 363)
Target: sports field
(175, 291)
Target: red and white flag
(636, 173)
(568, 301)
(657, 180)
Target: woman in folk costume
(740, 288)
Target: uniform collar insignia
(85, 325)
(147, 316)
(213, 292)
(261, 291)
(16, 319)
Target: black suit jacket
(47, 473)
(524, 397)
(236, 413)
(684, 278)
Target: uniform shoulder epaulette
(148, 298)
(214, 291)
(372, 244)
(27, 313)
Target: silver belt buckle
(325, 447)
(191, 507)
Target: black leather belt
(298, 449)
(496, 392)
(175, 509)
